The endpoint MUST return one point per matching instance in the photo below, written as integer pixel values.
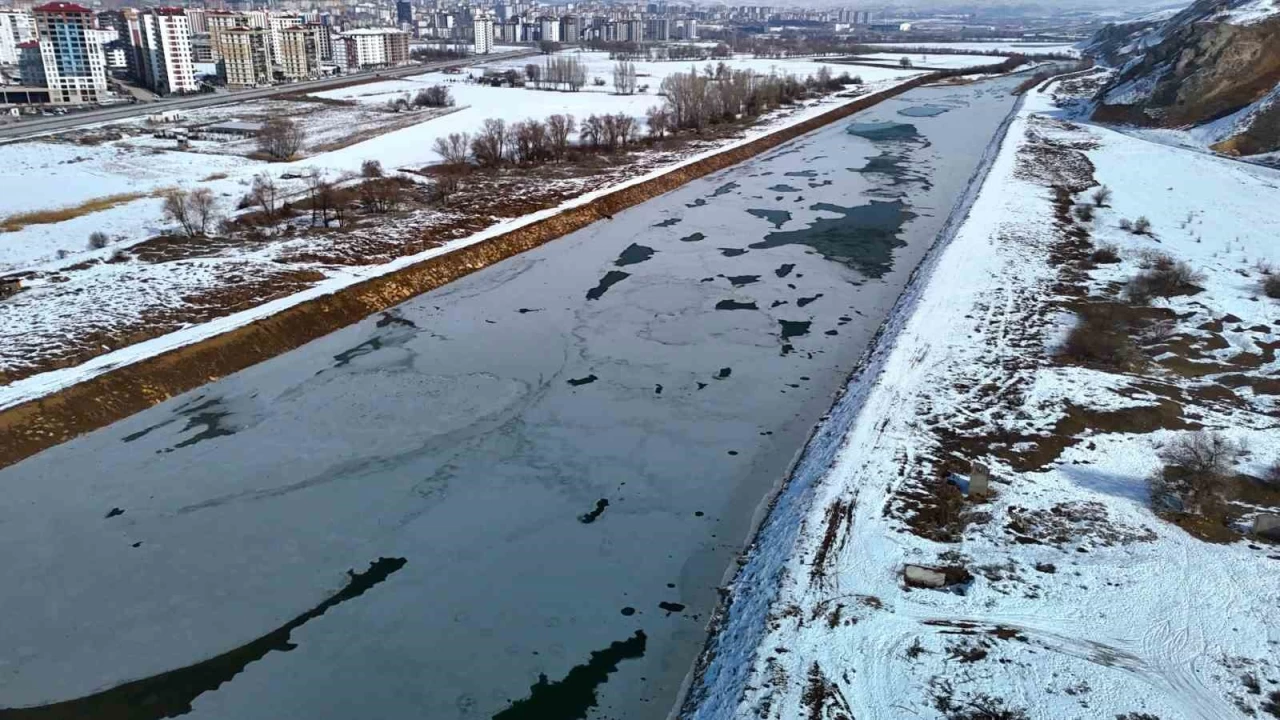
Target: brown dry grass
(14, 223)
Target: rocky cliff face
(1213, 68)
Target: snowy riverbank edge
(717, 682)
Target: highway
(43, 124)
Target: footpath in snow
(1110, 570)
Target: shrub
(1102, 196)
(98, 240)
(1272, 475)
(1126, 224)
(1084, 213)
(434, 96)
(1197, 472)
(371, 169)
(1106, 253)
(1142, 226)
(1271, 286)
(1165, 279)
(1101, 337)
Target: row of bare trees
(624, 77)
(558, 72)
(523, 143)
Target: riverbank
(1083, 578)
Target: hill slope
(1215, 65)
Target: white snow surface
(997, 46)
(1249, 12)
(945, 61)
(1159, 623)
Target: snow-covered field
(408, 147)
(935, 61)
(1082, 603)
(1000, 46)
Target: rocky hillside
(1213, 68)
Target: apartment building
(371, 48)
(166, 51)
(276, 24)
(16, 27)
(246, 57)
(74, 67)
(483, 42)
(31, 65)
(299, 53)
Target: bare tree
(434, 96)
(98, 240)
(177, 208)
(264, 194)
(1200, 467)
(320, 197)
(624, 77)
(658, 121)
(533, 72)
(280, 138)
(454, 148)
(381, 195)
(559, 128)
(371, 169)
(204, 209)
(592, 131)
(489, 145)
(529, 142)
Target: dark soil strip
(574, 696)
(170, 694)
(34, 426)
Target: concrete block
(1267, 525)
(979, 480)
(920, 576)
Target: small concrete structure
(921, 576)
(1267, 525)
(979, 480)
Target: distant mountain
(1213, 68)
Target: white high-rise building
(166, 51)
(483, 43)
(16, 27)
(278, 23)
(74, 67)
(370, 48)
(550, 28)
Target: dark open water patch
(864, 237)
(806, 300)
(780, 187)
(876, 131)
(170, 694)
(668, 222)
(634, 254)
(732, 252)
(583, 380)
(735, 305)
(784, 270)
(611, 278)
(696, 203)
(794, 328)
(924, 111)
(802, 173)
(693, 238)
(574, 696)
(740, 280)
(588, 518)
(671, 607)
(209, 417)
(777, 217)
(724, 373)
(724, 189)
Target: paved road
(62, 122)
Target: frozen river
(515, 496)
